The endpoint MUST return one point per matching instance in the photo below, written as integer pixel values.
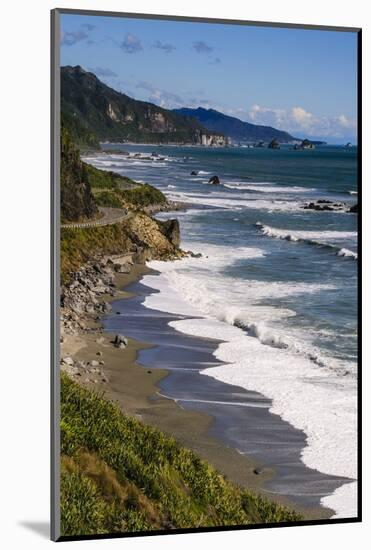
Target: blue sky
(302, 81)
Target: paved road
(110, 216)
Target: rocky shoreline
(170, 206)
(106, 361)
(83, 300)
(325, 205)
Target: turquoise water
(276, 284)
(268, 187)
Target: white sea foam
(220, 200)
(318, 238)
(343, 500)
(348, 253)
(265, 188)
(260, 359)
(295, 235)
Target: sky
(298, 80)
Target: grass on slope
(138, 198)
(111, 189)
(143, 195)
(119, 475)
(80, 245)
(108, 198)
(107, 180)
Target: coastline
(136, 389)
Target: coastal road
(109, 216)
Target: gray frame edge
(55, 277)
(55, 259)
(189, 18)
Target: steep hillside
(94, 112)
(77, 201)
(118, 475)
(234, 127)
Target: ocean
(276, 284)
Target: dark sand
(229, 426)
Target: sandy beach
(137, 388)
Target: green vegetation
(94, 112)
(77, 201)
(81, 135)
(120, 475)
(82, 244)
(111, 189)
(143, 195)
(140, 197)
(108, 198)
(234, 127)
(100, 179)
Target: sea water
(276, 284)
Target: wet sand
(160, 383)
(135, 388)
(217, 416)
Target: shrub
(121, 475)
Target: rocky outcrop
(326, 205)
(274, 144)
(120, 341)
(77, 201)
(85, 296)
(151, 238)
(213, 140)
(305, 144)
(171, 230)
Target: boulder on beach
(120, 341)
(121, 268)
(214, 180)
(106, 307)
(195, 254)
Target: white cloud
(297, 120)
(171, 100)
(70, 38)
(131, 44)
(163, 98)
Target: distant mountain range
(235, 128)
(93, 112)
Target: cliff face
(139, 235)
(76, 199)
(94, 112)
